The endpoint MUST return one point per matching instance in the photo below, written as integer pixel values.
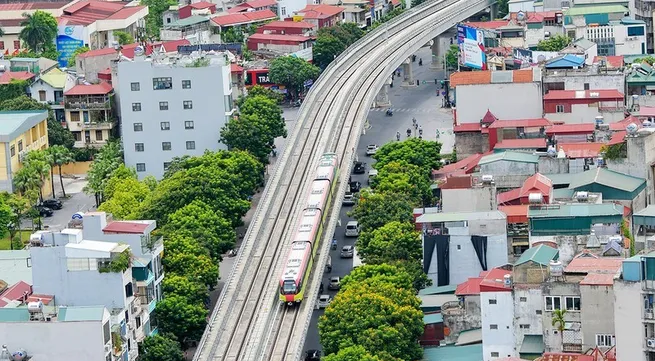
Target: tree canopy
(292, 72)
(452, 56)
(374, 210)
(554, 43)
(154, 19)
(355, 353)
(160, 348)
(404, 178)
(73, 57)
(260, 90)
(372, 274)
(649, 59)
(193, 263)
(177, 316)
(332, 41)
(193, 291)
(108, 159)
(424, 154)
(39, 31)
(392, 242)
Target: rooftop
(8, 76)
(529, 143)
(131, 227)
(201, 5)
(588, 263)
(465, 165)
(597, 9)
(253, 4)
(492, 280)
(511, 156)
(87, 12)
(33, 6)
(459, 216)
(454, 353)
(244, 18)
(612, 62)
(432, 318)
(491, 77)
(598, 279)
(55, 78)
(101, 88)
(456, 181)
(288, 25)
(521, 123)
(621, 125)
(491, 25)
(14, 123)
(273, 37)
(15, 292)
(321, 11)
(585, 128)
(467, 127)
(99, 246)
(542, 254)
(576, 210)
(607, 178)
(73, 314)
(515, 213)
(435, 290)
(581, 150)
(602, 94)
(564, 61)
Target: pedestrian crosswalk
(406, 110)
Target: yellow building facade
(20, 133)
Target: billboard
(523, 58)
(471, 47)
(69, 38)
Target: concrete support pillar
(493, 11)
(382, 99)
(408, 76)
(437, 56)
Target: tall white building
(172, 109)
(496, 306)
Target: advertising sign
(523, 57)
(188, 49)
(258, 77)
(471, 47)
(69, 38)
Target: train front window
(289, 287)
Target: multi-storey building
(48, 88)
(89, 114)
(497, 315)
(172, 109)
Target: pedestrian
(398, 136)
(414, 121)
(420, 131)
(409, 132)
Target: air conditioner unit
(107, 348)
(650, 342)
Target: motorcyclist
(409, 132)
(420, 131)
(398, 136)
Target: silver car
(347, 252)
(371, 149)
(324, 301)
(348, 199)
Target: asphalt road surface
(420, 102)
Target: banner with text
(471, 47)
(69, 39)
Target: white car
(348, 199)
(371, 149)
(323, 301)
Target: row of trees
(376, 315)
(197, 206)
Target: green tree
(179, 317)
(160, 348)
(108, 159)
(213, 186)
(391, 242)
(250, 133)
(415, 270)
(373, 274)
(292, 72)
(326, 49)
(126, 197)
(558, 320)
(193, 291)
(355, 353)
(554, 43)
(154, 19)
(374, 210)
(452, 57)
(27, 178)
(123, 37)
(404, 178)
(258, 90)
(78, 51)
(198, 221)
(232, 35)
(6, 217)
(385, 321)
(33, 174)
(15, 88)
(197, 268)
(421, 153)
(649, 59)
(58, 156)
(178, 244)
(19, 207)
(503, 9)
(39, 31)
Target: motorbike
(296, 103)
(389, 112)
(334, 244)
(232, 253)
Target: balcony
(152, 305)
(81, 105)
(96, 125)
(649, 343)
(649, 314)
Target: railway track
(248, 323)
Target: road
(77, 201)
(420, 102)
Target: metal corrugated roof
(14, 315)
(576, 210)
(71, 314)
(607, 178)
(510, 156)
(598, 9)
(459, 216)
(542, 254)
(437, 290)
(432, 318)
(532, 344)
(453, 353)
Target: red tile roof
(467, 127)
(105, 71)
(538, 182)
(548, 356)
(620, 125)
(506, 197)
(598, 279)
(93, 89)
(279, 37)
(617, 137)
(243, 18)
(11, 22)
(457, 182)
(490, 281)
(515, 213)
(126, 227)
(521, 143)
(201, 5)
(8, 76)
(46, 299)
(594, 264)
(235, 68)
(169, 46)
(615, 61)
(255, 4)
(321, 11)
(288, 25)
(33, 6)
(603, 94)
(15, 292)
(521, 123)
(488, 118)
(584, 128)
(495, 24)
(646, 111)
(484, 77)
(128, 49)
(470, 287)
(238, 9)
(87, 12)
(466, 165)
(125, 12)
(581, 150)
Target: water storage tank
(556, 268)
(487, 178)
(582, 196)
(535, 198)
(35, 307)
(507, 280)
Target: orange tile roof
(620, 125)
(457, 182)
(521, 143)
(93, 89)
(495, 24)
(581, 150)
(598, 279)
(321, 11)
(467, 127)
(243, 18)
(287, 24)
(615, 61)
(594, 264)
(484, 77)
(521, 123)
(235, 68)
(8, 76)
(515, 213)
(469, 288)
(617, 137)
(506, 197)
(466, 165)
(599, 94)
(585, 128)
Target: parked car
(313, 355)
(44, 211)
(360, 168)
(371, 149)
(355, 186)
(347, 252)
(52, 204)
(348, 199)
(335, 283)
(324, 301)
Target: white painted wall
(628, 327)
(525, 312)
(502, 100)
(14, 266)
(584, 113)
(501, 314)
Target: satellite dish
(632, 128)
(541, 58)
(520, 16)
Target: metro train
(310, 228)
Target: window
(140, 167)
(138, 322)
(162, 83)
(165, 145)
(190, 145)
(138, 127)
(538, 312)
(492, 302)
(605, 340)
(553, 303)
(524, 326)
(16, 44)
(12, 149)
(42, 95)
(75, 116)
(188, 124)
(98, 134)
(586, 86)
(495, 354)
(283, 11)
(135, 87)
(459, 247)
(165, 125)
(29, 261)
(166, 165)
(20, 145)
(572, 303)
(163, 105)
(136, 107)
(493, 327)
(636, 31)
(138, 147)
(2, 45)
(188, 104)
(186, 84)
(77, 136)
(559, 108)
(523, 299)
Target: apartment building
(49, 87)
(172, 109)
(89, 115)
